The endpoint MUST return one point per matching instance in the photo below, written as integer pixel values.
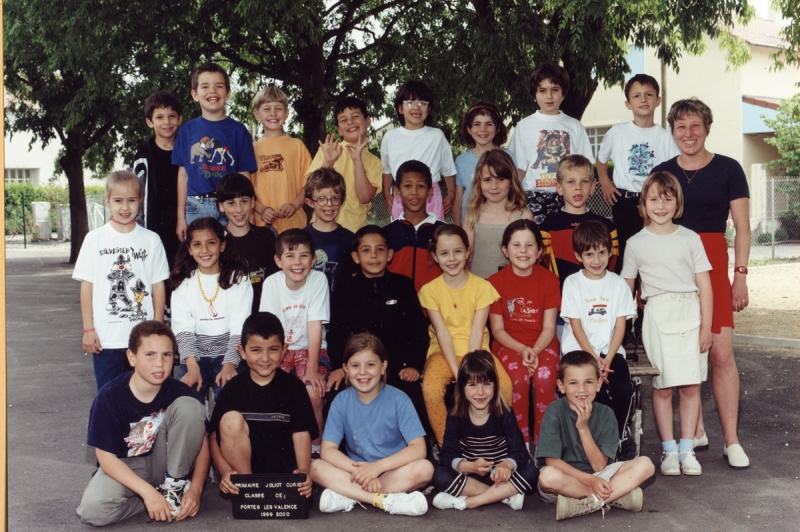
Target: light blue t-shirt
(374, 431)
(465, 170)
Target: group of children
(284, 320)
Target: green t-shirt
(558, 437)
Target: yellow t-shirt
(352, 215)
(281, 175)
(458, 308)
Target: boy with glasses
(325, 193)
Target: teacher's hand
(739, 293)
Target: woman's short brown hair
(690, 106)
(666, 185)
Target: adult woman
(714, 185)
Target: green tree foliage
(787, 139)
(317, 51)
(790, 55)
(78, 71)
(494, 44)
(787, 136)
(466, 50)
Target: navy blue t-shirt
(708, 198)
(333, 254)
(122, 425)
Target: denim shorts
(197, 207)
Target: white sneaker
(173, 491)
(515, 502)
(445, 501)
(413, 503)
(567, 507)
(736, 456)
(670, 465)
(690, 466)
(330, 501)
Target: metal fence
(774, 218)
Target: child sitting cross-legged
(263, 422)
(149, 434)
(484, 459)
(385, 442)
(578, 439)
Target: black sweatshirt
(386, 306)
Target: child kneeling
(386, 449)
(577, 440)
(148, 432)
(263, 422)
(484, 458)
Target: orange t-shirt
(282, 164)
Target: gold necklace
(211, 309)
(689, 179)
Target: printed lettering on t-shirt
(257, 276)
(270, 163)
(522, 310)
(553, 145)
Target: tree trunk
(316, 97)
(72, 163)
(575, 104)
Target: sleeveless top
(487, 257)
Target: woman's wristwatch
(741, 269)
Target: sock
(685, 447)
(377, 501)
(670, 445)
(315, 448)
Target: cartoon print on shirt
(139, 292)
(120, 276)
(143, 433)
(510, 305)
(553, 145)
(640, 159)
(325, 266)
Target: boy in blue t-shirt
(209, 147)
(325, 193)
(141, 470)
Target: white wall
(19, 155)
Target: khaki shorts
(606, 474)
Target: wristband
(88, 330)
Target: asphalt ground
(51, 387)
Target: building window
(635, 59)
(19, 175)
(596, 135)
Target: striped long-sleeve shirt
(212, 329)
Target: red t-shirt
(523, 301)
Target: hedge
(54, 194)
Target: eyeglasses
(322, 201)
(410, 104)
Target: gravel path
(774, 309)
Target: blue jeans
(203, 208)
(109, 364)
(209, 369)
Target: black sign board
(269, 497)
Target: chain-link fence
(774, 218)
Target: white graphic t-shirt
(122, 268)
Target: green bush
(56, 195)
